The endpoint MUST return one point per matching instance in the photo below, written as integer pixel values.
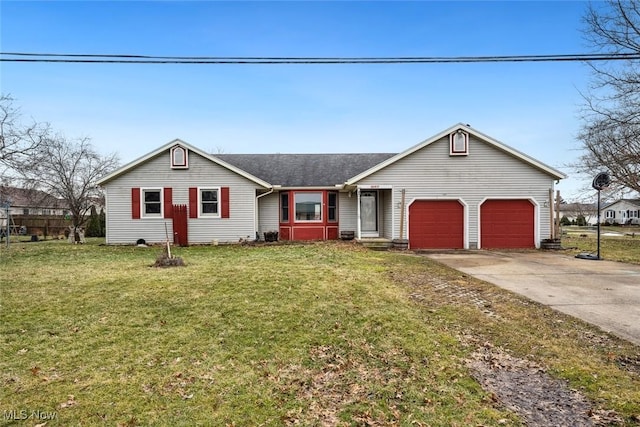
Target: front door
(369, 213)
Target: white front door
(369, 213)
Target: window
(179, 158)
(610, 214)
(459, 143)
(308, 206)
(284, 207)
(332, 211)
(152, 202)
(209, 202)
(25, 211)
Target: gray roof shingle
(305, 170)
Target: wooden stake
(166, 232)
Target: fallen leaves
(71, 401)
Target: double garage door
(439, 224)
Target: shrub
(581, 221)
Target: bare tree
(19, 142)
(610, 133)
(69, 169)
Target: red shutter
(135, 203)
(224, 199)
(168, 202)
(193, 202)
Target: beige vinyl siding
(386, 220)
(268, 213)
(157, 173)
(347, 211)
(487, 172)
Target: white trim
(129, 166)
(185, 151)
(536, 217)
(106, 217)
(452, 143)
(556, 174)
(465, 216)
(142, 203)
(375, 187)
(219, 202)
(295, 208)
(363, 234)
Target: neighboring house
(623, 211)
(457, 189)
(31, 202)
(31, 211)
(589, 211)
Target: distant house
(623, 211)
(458, 189)
(31, 211)
(31, 202)
(589, 211)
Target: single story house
(458, 189)
(623, 211)
(572, 211)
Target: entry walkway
(603, 293)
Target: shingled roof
(22, 197)
(305, 170)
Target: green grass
(624, 248)
(320, 334)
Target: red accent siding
(292, 229)
(308, 233)
(224, 199)
(332, 233)
(436, 224)
(135, 203)
(285, 233)
(168, 202)
(507, 224)
(180, 233)
(193, 202)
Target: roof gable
(167, 147)
(485, 138)
(634, 202)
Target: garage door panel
(436, 224)
(507, 224)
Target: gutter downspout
(257, 223)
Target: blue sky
(133, 109)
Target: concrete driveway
(603, 293)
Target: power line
(146, 59)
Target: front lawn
(316, 334)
